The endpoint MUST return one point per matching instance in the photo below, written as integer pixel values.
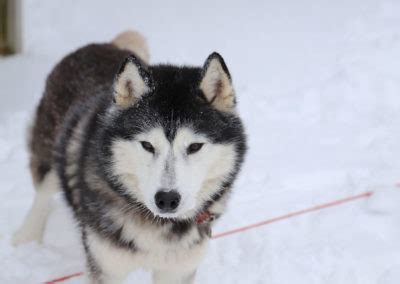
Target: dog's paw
(25, 236)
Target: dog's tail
(134, 42)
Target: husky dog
(146, 156)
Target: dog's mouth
(175, 215)
(167, 215)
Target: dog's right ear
(132, 82)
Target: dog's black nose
(167, 201)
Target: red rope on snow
(64, 278)
(294, 214)
(256, 225)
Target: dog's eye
(193, 148)
(147, 146)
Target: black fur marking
(60, 160)
(174, 103)
(41, 171)
(93, 267)
(179, 229)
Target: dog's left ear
(132, 82)
(216, 84)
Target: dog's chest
(163, 245)
(156, 247)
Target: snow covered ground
(319, 90)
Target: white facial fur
(196, 177)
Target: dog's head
(172, 136)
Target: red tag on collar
(204, 217)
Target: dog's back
(82, 74)
(88, 71)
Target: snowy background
(318, 84)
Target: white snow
(319, 90)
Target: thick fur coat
(140, 152)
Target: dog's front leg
(106, 263)
(173, 277)
(98, 274)
(181, 265)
